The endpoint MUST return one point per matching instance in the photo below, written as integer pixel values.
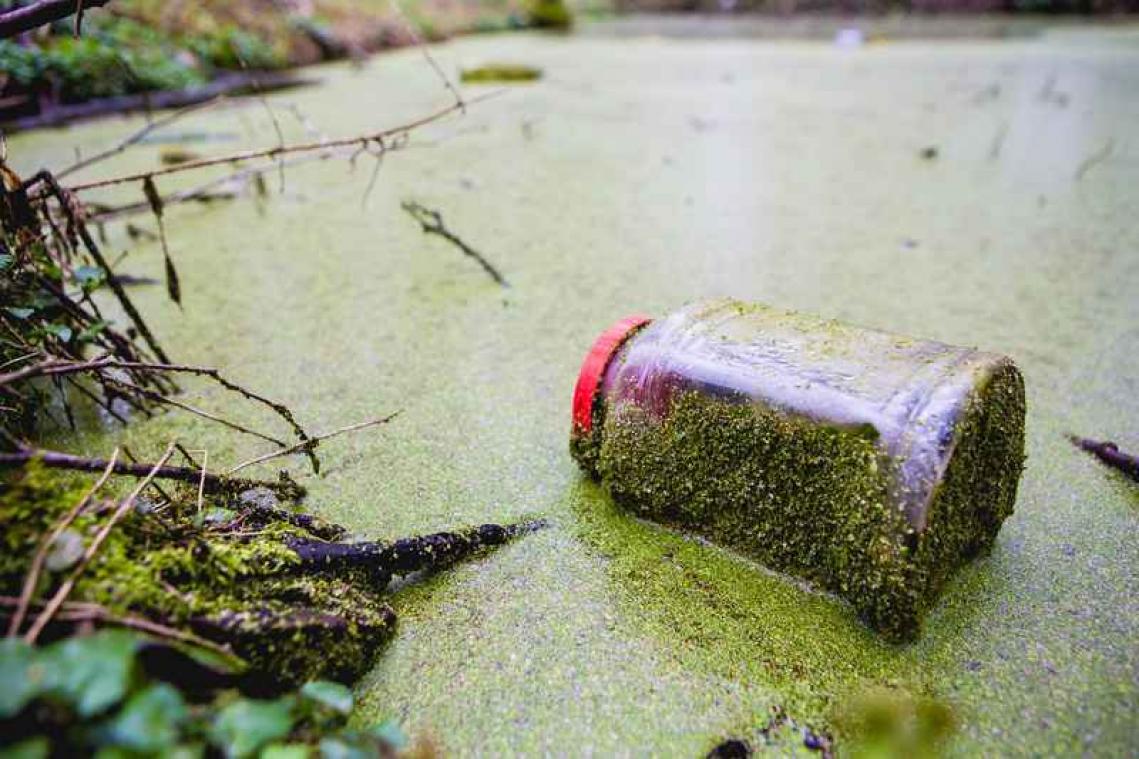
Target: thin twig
(60, 460)
(274, 152)
(125, 506)
(26, 18)
(418, 41)
(312, 442)
(38, 560)
(139, 135)
(432, 224)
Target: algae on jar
(870, 464)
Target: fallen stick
(26, 18)
(1109, 453)
(213, 483)
(432, 223)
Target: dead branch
(213, 483)
(139, 134)
(124, 507)
(310, 444)
(425, 552)
(382, 139)
(432, 223)
(29, 17)
(33, 575)
(55, 367)
(1109, 453)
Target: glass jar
(870, 464)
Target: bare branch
(140, 134)
(432, 224)
(274, 152)
(313, 442)
(29, 17)
(213, 483)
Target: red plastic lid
(593, 368)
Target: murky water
(639, 174)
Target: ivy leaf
(246, 725)
(90, 332)
(151, 720)
(20, 313)
(32, 748)
(390, 733)
(93, 672)
(286, 751)
(20, 675)
(335, 696)
(61, 331)
(347, 746)
(89, 277)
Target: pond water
(639, 173)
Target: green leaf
(32, 748)
(20, 674)
(335, 696)
(62, 331)
(6, 261)
(92, 331)
(287, 751)
(150, 721)
(348, 746)
(20, 313)
(390, 733)
(93, 672)
(246, 725)
(89, 277)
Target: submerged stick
(1109, 453)
(432, 223)
(406, 555)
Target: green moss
(234, 585)
(812, 500)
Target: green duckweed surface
(638, 174)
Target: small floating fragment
(870, 464)
(500, 73)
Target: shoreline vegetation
(162, 604)
(139, 55)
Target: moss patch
(812, 500)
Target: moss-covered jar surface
(870, 464)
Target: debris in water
(870, 464)
(500, 73)
(1109, 453)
